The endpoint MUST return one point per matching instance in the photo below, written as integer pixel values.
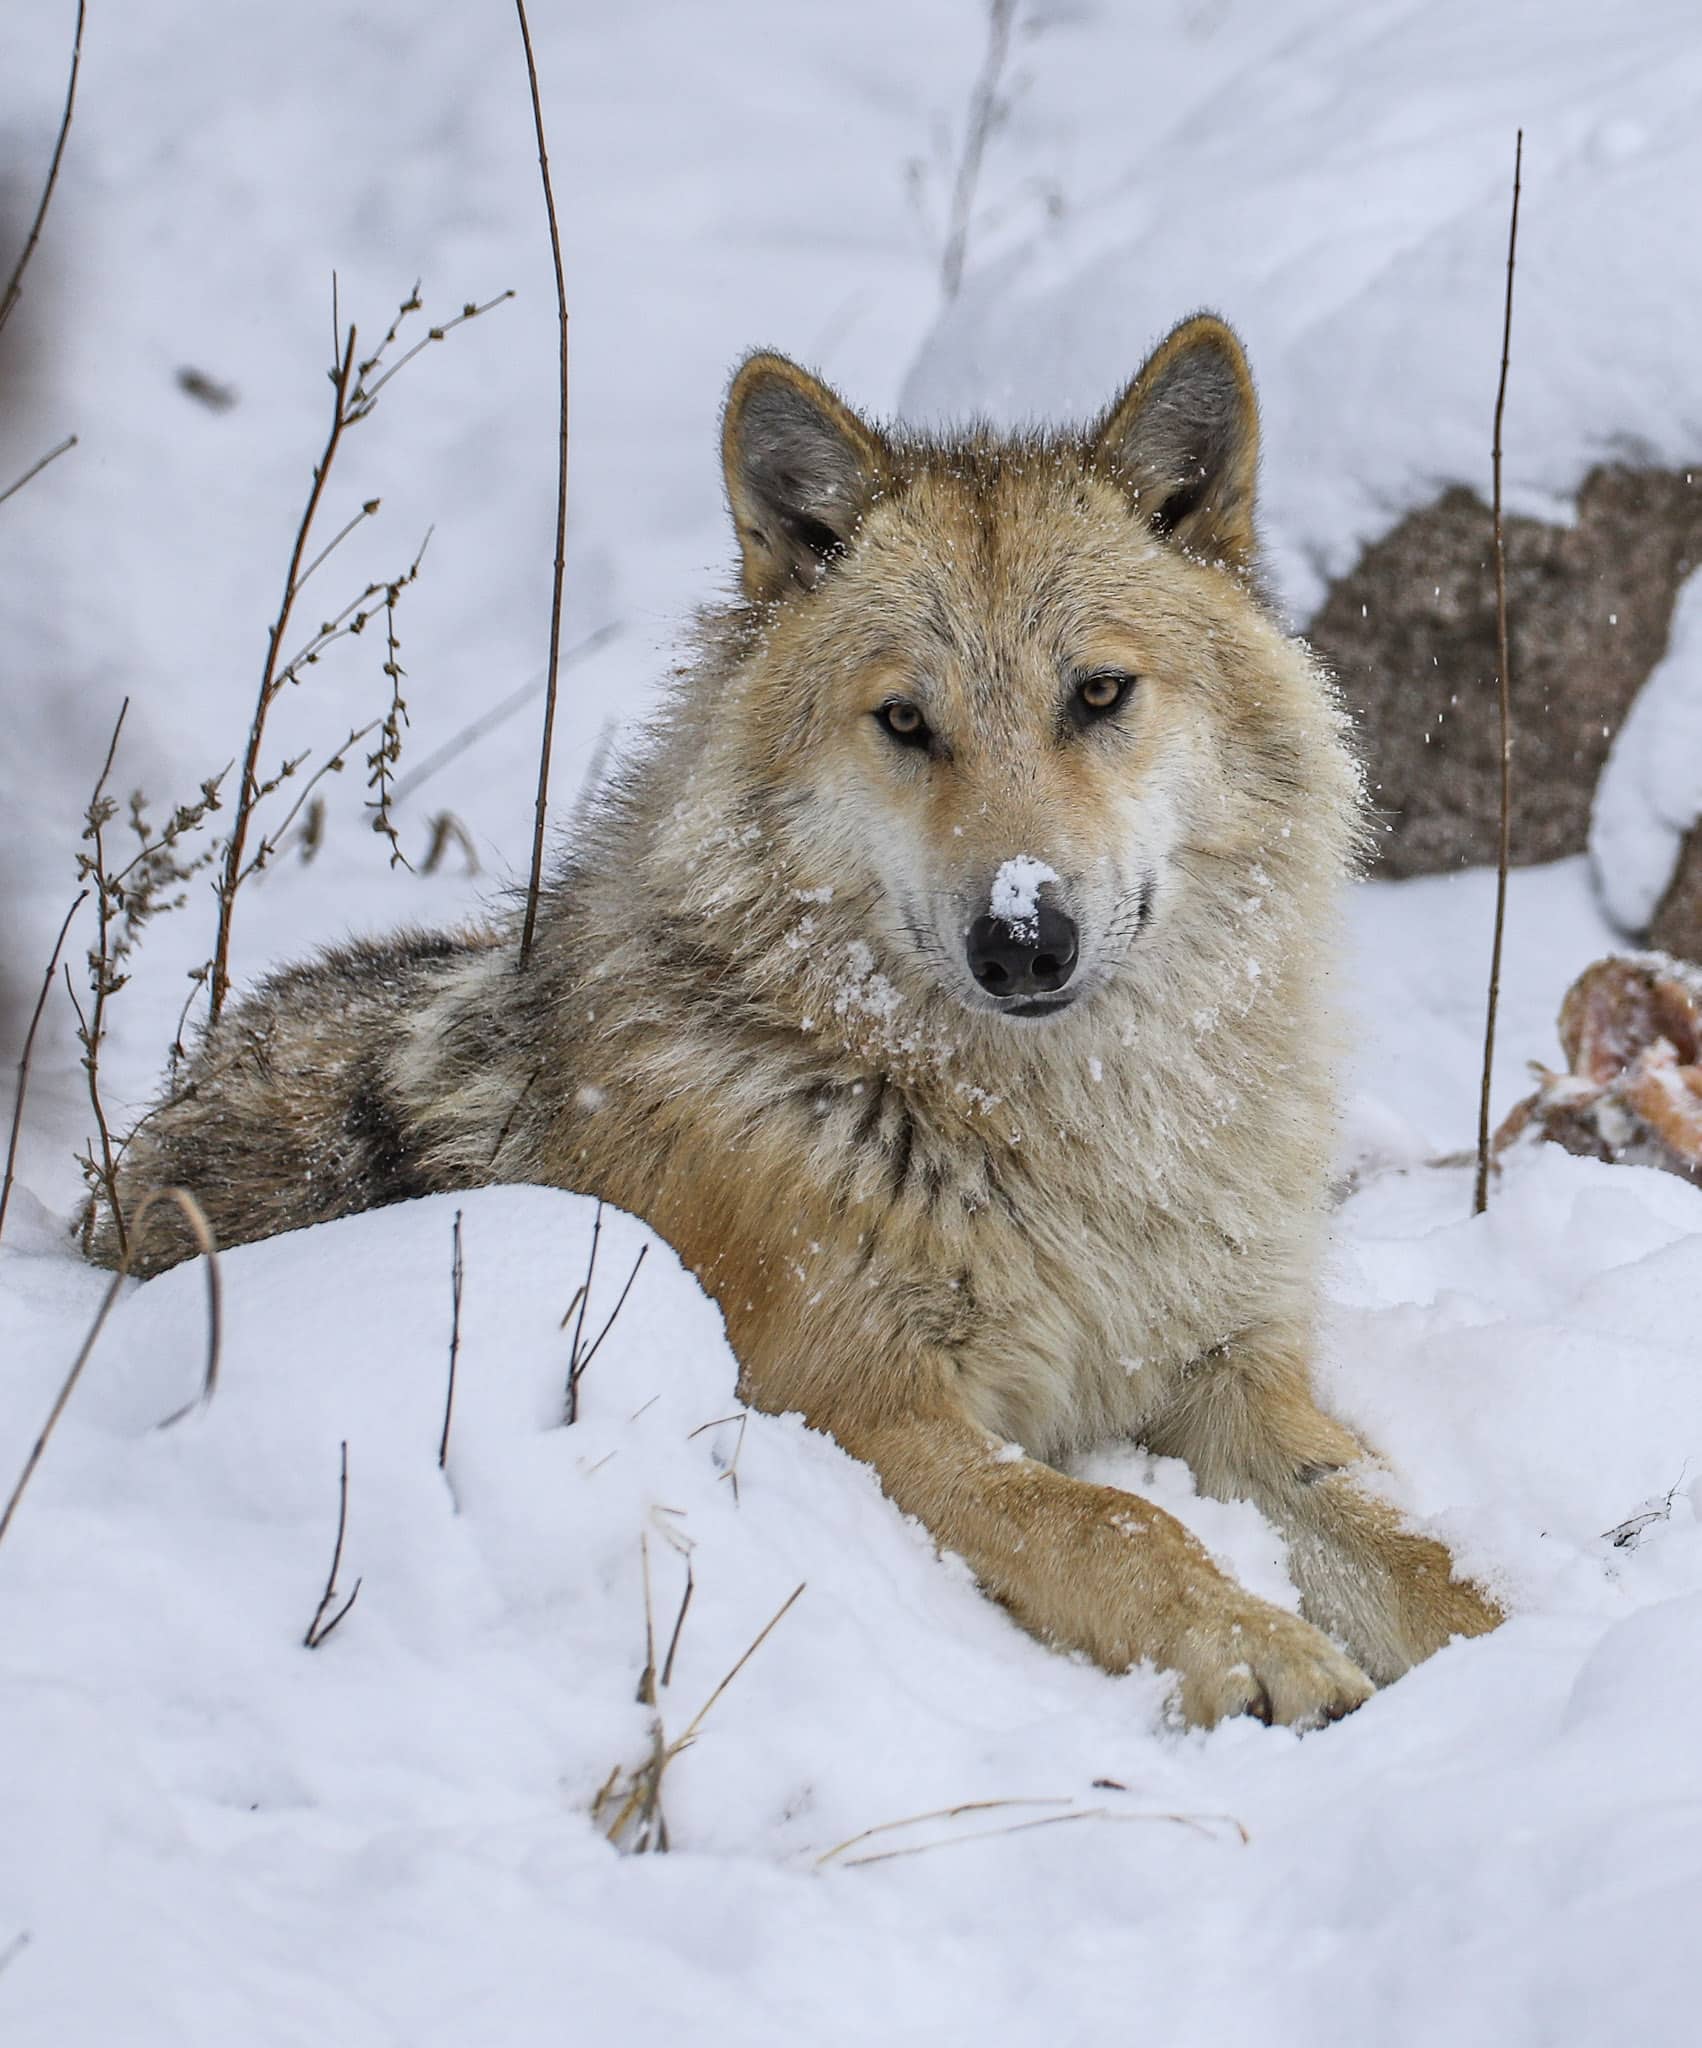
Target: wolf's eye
(901, 720)
(1101, 693)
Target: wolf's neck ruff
(948, 983)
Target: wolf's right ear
(801, 471)
(1183, 442)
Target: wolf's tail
(287, 1114)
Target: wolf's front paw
(1258, 1660)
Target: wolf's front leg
(1094, 1569)
(1248, 1427)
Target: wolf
(948, 980)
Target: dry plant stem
(915, 1820)
(22, 1089)
(983, 118)
(454, 1341)
(93, 1028)
(1480, 1196)
(535, 885)
(15, 283)
(319, 1628)
(197, 1221)
(249, 789)
(643, 1800)
(581, 1299)
(35, 469)
(1050, 1820)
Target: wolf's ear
(801, 471)
(1183, 442)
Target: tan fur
(938, 1230)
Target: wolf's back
(287, 1114)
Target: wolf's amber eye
(901, 719)
(1098, 695)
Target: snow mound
(1337, 186)
(216, 1834)
(1650, 792)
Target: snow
(1017, 887)
(1335, 181)
(1650, 792)
(213, 1834)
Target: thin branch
(195, 1217)
(35, 469)
(319, 1628)
(579, 1302)
(333, 765)
(249, 790)
(105, 980)
(680, 1622)
(1480, 1197)
(983, 119)
(366, 395)
(22, 1088)
(535, 884)
(15, 283)
(368, 511)
(454, 1341)
(597, 1341)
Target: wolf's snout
(1023, 956)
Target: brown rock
(1678, 922)
(1410, 632)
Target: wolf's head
(1014, 696)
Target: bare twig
(1480, 1196)
(13, 1949)
(195, 1217)
(35, 469)
(334, 764)
(105, 981)
(15, 283)
(535, 884)
(319, 1628)
(249, 789)
(580, 1355)
(454, 1341)
(22, 1089)
(580, 1365)
(680, 1622)
(984, 114)
(355, 393)
(381, 762)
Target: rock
(1410, 632)
(1678, 922)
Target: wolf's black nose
(1025, 956)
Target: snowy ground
(210, 1834)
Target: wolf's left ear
(801, 471)
(1183, 442)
